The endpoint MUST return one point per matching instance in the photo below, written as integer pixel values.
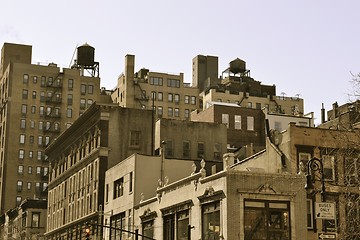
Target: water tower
(85, 60)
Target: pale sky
(304, 47)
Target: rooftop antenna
(73, 55)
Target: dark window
(135, 138)
(201, 150)
(90, 89)
(169, 148)
(186, 149)
(266, 220)
(83, 89)
(70, 84)
(211, 221)
(119, 188)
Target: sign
(325, 210)
(325, 236)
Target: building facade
(166, 93)
(231, 204)
(100, 138)
(25, 222)
(37, 103)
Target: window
(170, 112)
(40, 140)
(90, 89)
(89, 102)
(19, 186)
(119, 188)
(130, 181)
(22, 123)
(187, 99)
(22, 139)
(23, 109)
(83, 89)
(176, 224)
(258, 105)
(21, 154)
(170, 97)
(41, 125)
(217, 151)
(173, 83)
(39, 155)
(169, 148)
(32, 124)
(43, 81)
(69, 112)
(160, 111)
(35, 79)
(82, 103)
(177, 98)
(135, 138)
(266, 220)
(70, 84)
(148, 228)
(225, 119)
(156, 81)
(176, 112)
(69, 99)
(35, 220)
(42, 96)
(20, 169)
(237, 121)
(29, 186)
(211, 220)
(33, 109)
(250, 123)
(18, 200)
(328, 167)
(41, 110)
(160, 96)
(31, 154)
(187, 113)
(249, 105)
(186, 149)
(38, 170)
(117, 221)
(24, 94)
(193, 100)
(48, 111)
(309, 214)
(26, 78)
(29, 169)
(50, 81)
(47, 140)
(201, 150)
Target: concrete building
(37, 102)
(25, 222)
(166, 93)
(280, 122)
(130, 182)
(230, 204)
(346, 116)
(245, 126)
(192, 140)
(101, 137)
(337, 153)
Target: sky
(307, 48)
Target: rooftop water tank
(237, 66)
(85, 55)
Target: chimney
(322, 113)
